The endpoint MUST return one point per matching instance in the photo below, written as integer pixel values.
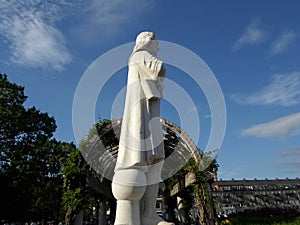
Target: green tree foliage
(30, 160)
(83, 187)
(76, 195)
(200, 190)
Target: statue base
(127, 213)
(128, 188)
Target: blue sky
(251, 46)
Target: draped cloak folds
(141, 138)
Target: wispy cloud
(104, 18)
(283, 42)
(283, 90)
(252, 35)
(33, 40)
(290, 160)
(279, 128)
(106, 12)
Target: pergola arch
(103, 158)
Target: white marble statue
(141, 151)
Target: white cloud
(37, 44)
(289, 160)
(33, 40)
(284, 90)
(107, 12)
(279, 128)
(251, 36)
(291, 153)
(283, 42)
(106, 17)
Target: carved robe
(141, 139)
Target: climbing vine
(200, 188)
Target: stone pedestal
(128, 188)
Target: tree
(30, 160)
(83, 187)
(76, 195)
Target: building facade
(233, 196)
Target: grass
(261, 221)
(264, 216)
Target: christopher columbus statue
(141, 150)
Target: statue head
(146, 41)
